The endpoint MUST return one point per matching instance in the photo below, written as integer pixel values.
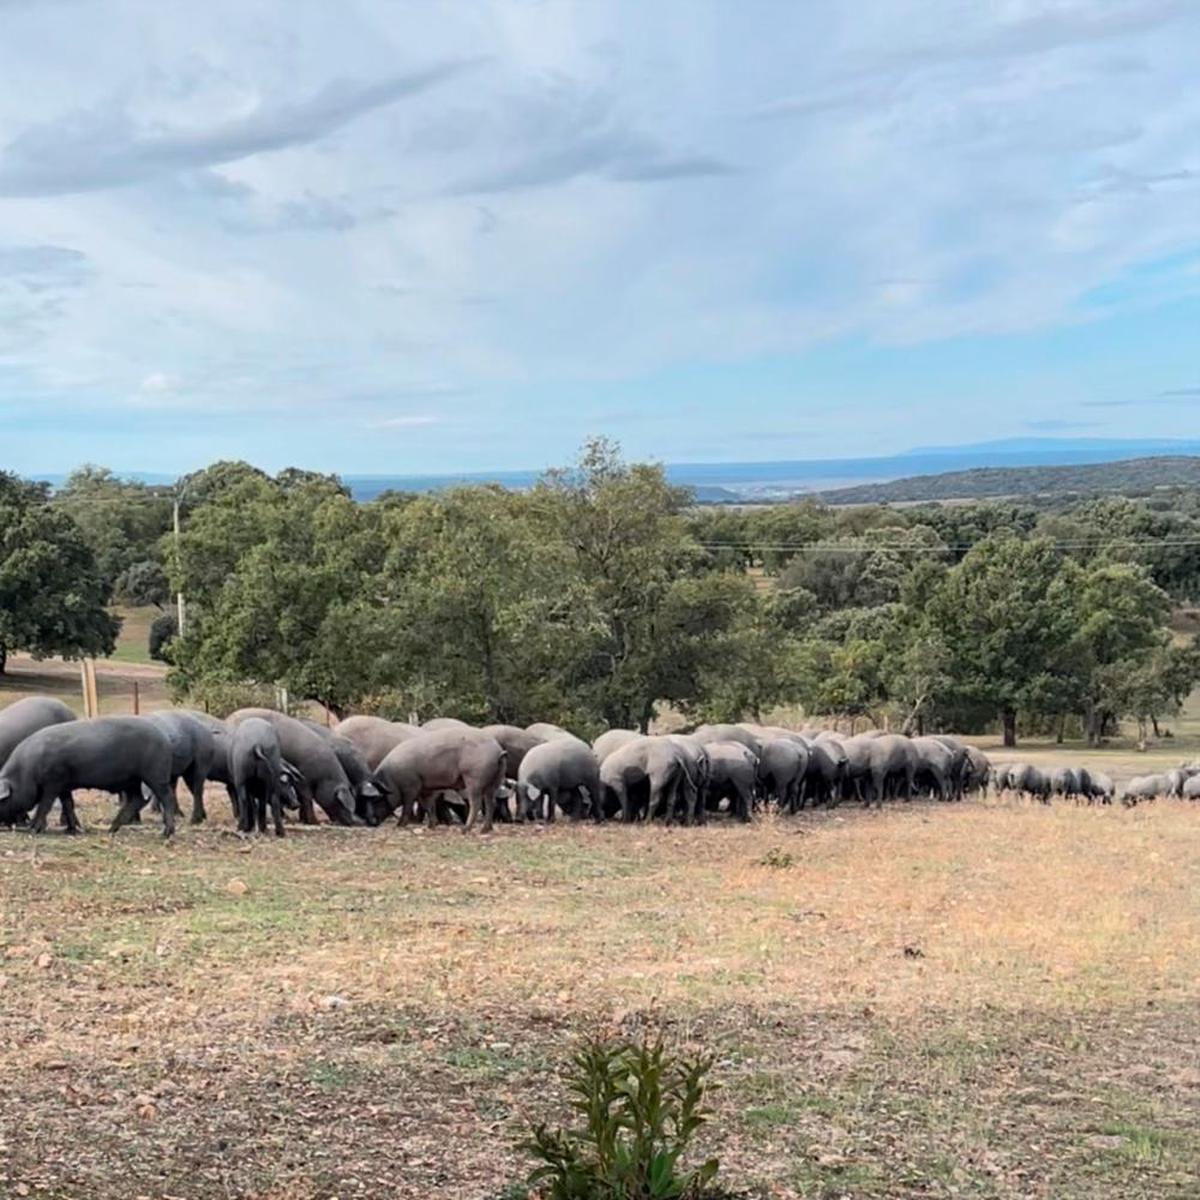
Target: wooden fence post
(91, 699)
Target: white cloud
(291, 215)
(414, 422)
(158, 382)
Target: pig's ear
(5, 789)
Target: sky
(396, 237)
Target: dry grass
(985, 1000)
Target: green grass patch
(133, 642)
(329, 1075)
(1141, 1143)
(492, 1062)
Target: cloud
(412, 422)
(1058, 425)
(103, 148)
(36, 283)
(57, 262)
(619, 156)
(564, 131)
(1171, 396)
(940, 214)
(157, 383)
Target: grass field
(992, 999)
(133, 644)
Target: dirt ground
(115, 684)
(992, 999)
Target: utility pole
(179, 602)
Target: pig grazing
(259, 779)
(27, 716)
(111, 754)
(194, 749)
(449, 759)
(325, 781)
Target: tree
(278, 576)
(755, 665)
(623, 525)
(863, 571)
(225, 511)
(841, 663)
(1122, 623)
(53, 596)
(121, 519)
(1007, 613)
(144, 584)
(1154, 685)
(489, 619)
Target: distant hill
(1130, 477)
(781, 480)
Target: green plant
(779, 859)
(640, 1106)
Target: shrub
(776, 858)
(221, 697)
(163, 630)
(640, 1106)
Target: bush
(640, 1107)
(143, 584)
(163, 630)
(220, 697)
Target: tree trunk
(1093, 734)
(1154, 726)
(1061, 735)
(3, 657)
(1010, 728)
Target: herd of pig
(365, 769)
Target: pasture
(993, 999)
(115, 676)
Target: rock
(236, 887)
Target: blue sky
(403, 237)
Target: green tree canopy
(53, 595)
(488, 619)
(1007, 615)
(121, 519)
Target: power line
(948, 548)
